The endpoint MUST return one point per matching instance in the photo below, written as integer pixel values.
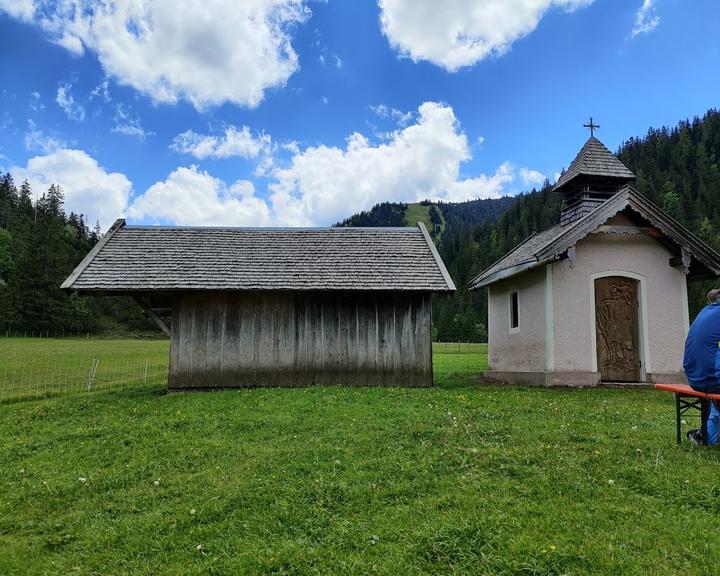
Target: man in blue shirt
(702, 362)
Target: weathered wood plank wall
(300, 339)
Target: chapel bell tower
(595, 175)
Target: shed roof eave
(100, 290)
(673, 229)
(80, 268)
(436, 256)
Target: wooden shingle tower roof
(595, 161)
(595, 175)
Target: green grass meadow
(461, 478)
(419, 213)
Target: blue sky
(295, 112)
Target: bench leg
(678, 418)
(704, 415)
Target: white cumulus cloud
(482, 186)
(458, 33)
(89, 189)
(207, 52)
(22, 9)
(324, 184)
(305, 186)
(192, 197)
(319, 185)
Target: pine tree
(8, 200)
(671, 201)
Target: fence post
(96, 361)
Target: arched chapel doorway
(617, 328)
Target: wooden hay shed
(281, 306)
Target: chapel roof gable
(554, 243)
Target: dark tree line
(455, 215)
(468, 214)
(40, 245)
(386, 214)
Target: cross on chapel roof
(592, 126)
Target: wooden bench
(688, 399)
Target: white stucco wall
(663, 314)
(523, 349)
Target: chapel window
(514, 312)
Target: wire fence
(460, 348)
(34, 368)
(75, 335)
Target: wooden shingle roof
(152, 258)
(553, 243)
(521, 257)
(594, 159)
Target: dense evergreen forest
(39, 246)
(449, 215)
(678, 168)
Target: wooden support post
(678, 419)
(154, 317)
(96, 361)
(704, 415)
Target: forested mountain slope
(677, 168)
(437, 216)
